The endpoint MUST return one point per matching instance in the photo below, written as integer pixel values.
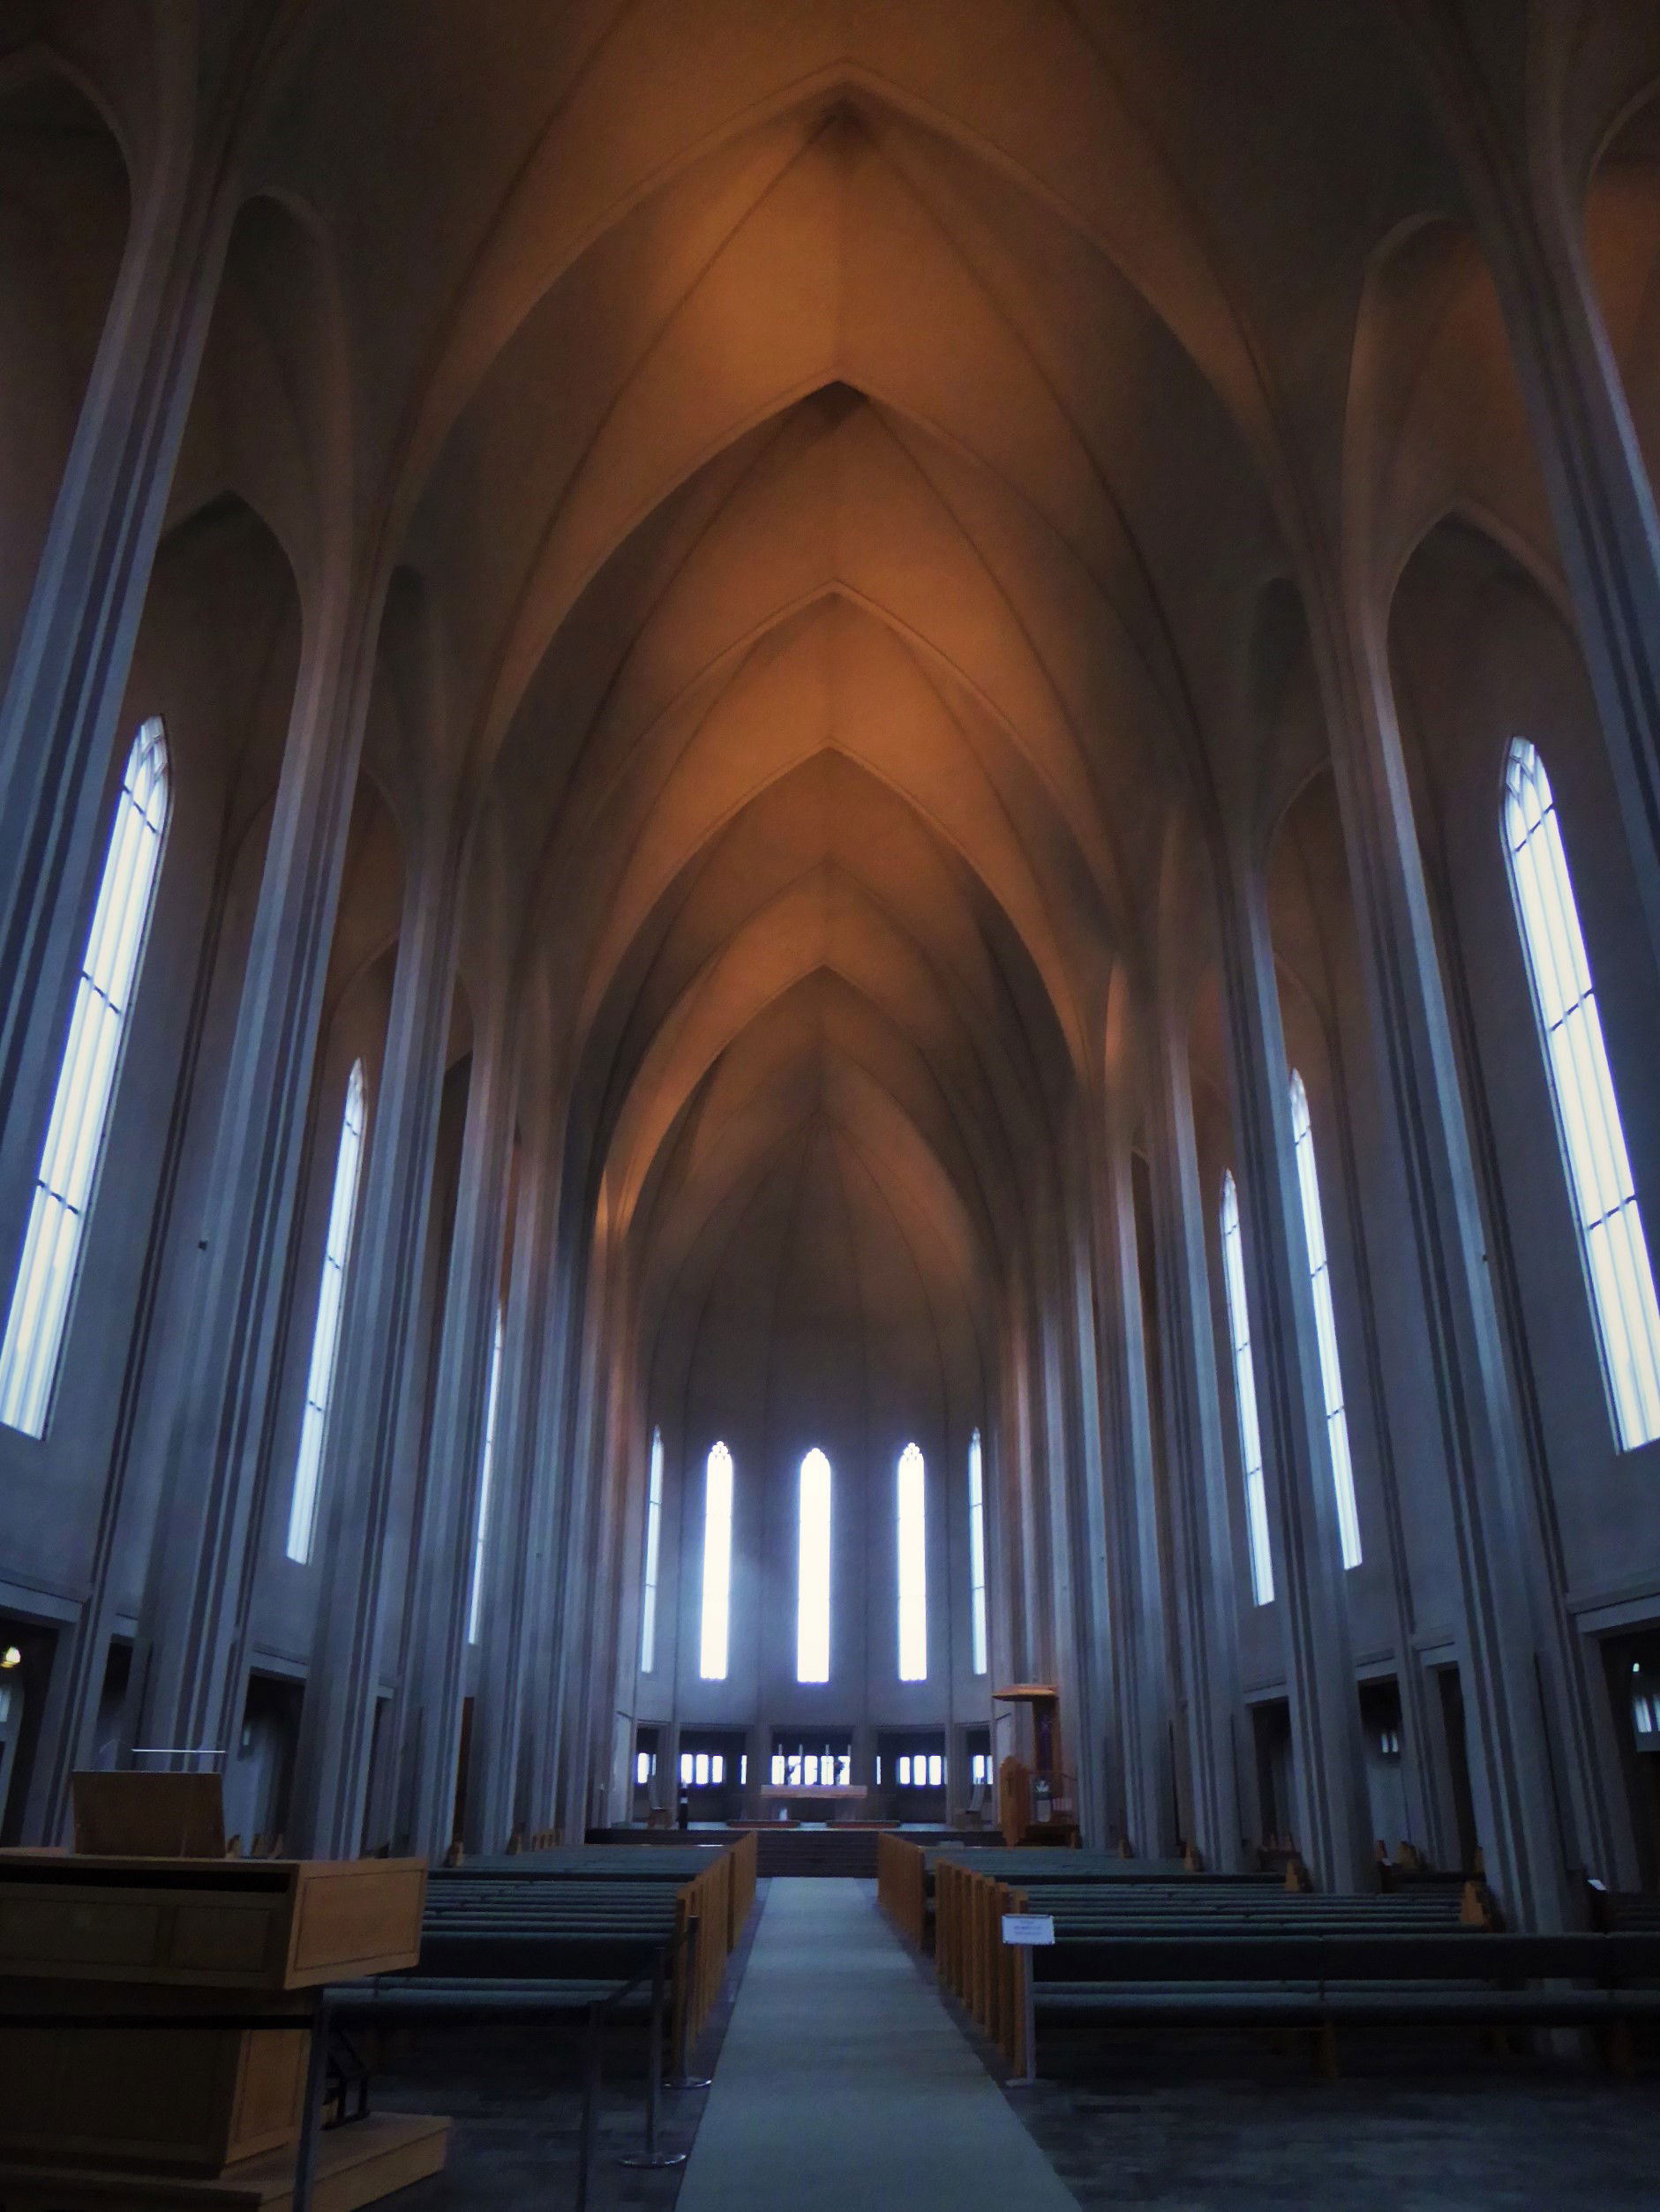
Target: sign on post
(1022, 1930)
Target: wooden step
(358, 2164)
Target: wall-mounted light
(11, 1657)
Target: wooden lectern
(95, 2118)
(1036, 1799)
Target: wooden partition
(719, 1901)
(902, 1886)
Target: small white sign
(1025, 1928)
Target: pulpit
(182, 2115)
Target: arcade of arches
(829, 727)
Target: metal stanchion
(311, 2113)
(651, 2156)
(683, 2080)
(590, 2110)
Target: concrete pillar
(65, 686)
(1138, 1626)
(190, 1650)
(1333, 1818)
(1206, 1592)
(499, 1795)
(441, 1563)
(330, 1776)
(1526, 188)
(1504, 1586)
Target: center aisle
(843, 2081)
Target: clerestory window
(1612, 1244)
(79, 1125)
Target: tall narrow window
(486, 1469)
(319, 1382)
(1245, 1397)
(812, 1572)
(1611, 1240)
(712, 1660)
(1326, 1323)
(977, 1556)
(913, 1571)
(79, 1120)
(654, 1545)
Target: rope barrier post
(682, 2079)
(590, 2109)
(651, 2156)
(311, 2113)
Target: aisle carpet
(843, 2083)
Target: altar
(821, 1801)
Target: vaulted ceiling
(840, 449)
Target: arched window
(654, 1545)
(976, 1555)
(713, 1651)
(319, 1382)
(1326, 1324)
(813, 1571)
(486, 1469)
(1611, 1240)
(913, 1567)
(79, 1120)
(1245, 1397)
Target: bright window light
(1245, 1395)
(79, 1120)
(1326, 1324)
(654, 1542)
(326, 1331)
(1611, 1240)
(976, 1555)
(813, 1571)
(712, 1662)
(486, 1468)
(914, 1573)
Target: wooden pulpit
(97, 2118)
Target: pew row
(1216, 1955)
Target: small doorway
(27, 1653)
(1270, 1739)
(1632, 1664)
(1385, 1781)
(647, 1743)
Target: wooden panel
(40, 1931)
(150, 1816)
(152, 2097)
(237, 1938)
(357, 2165)
(360, 1917)
(270, 2093)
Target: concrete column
(1526, 189)
(1094, 1730)
(1138, 1627)
(498, 1796)
(441, 1566)
(189, 1656)
(1205, 1593)
(360, 1453)
(1334, 1816)
(67, 679)
(1503, 1582)
(550, 1538)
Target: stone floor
(1211, 2131)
